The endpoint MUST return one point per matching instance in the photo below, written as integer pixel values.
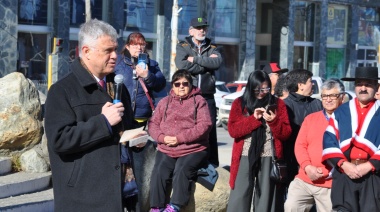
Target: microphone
(118, 88)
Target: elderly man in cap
(201, 59)
(351, 146)
(275, 72)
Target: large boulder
(20, 114)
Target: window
(32, 55)
(304, 21)
(78, 11)
(140, 15)
(226, 22)
(32, 12)
(337, 25)
(189, 11)
(368, 26)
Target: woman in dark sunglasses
(180, 124)
(259, 124)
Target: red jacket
(240, 125)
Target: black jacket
(298, 108)
(84, 154)
(203, 67)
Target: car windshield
(222, 87)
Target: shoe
(170, 208)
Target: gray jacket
(203, 67)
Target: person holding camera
(142, 76)
(259, 124)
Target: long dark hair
(249, 100)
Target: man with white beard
(201, 59)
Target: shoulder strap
(146, 93)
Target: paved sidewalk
(224, 147)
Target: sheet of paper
(138, 140)
(129, 134)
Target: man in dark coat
(201, 59)
(83, 126)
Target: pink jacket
(188, 118)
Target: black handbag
(279, 170)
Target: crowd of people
(330, 148)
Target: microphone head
(119, 78)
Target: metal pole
(88, 10)
(174, 26)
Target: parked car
(225, 105)
(221, 90)
(236, 86)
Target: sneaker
(170, 208)
(155, 210)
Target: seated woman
(180, 125)
(255, 127)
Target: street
(224, 146)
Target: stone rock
(20, 108)
(216, 200)
(31, 161)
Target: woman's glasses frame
(178, 84)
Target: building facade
(329, 37)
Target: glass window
(337, 24)
(303, 57)
(368, 26)
(33, 12)
(335, 64)
(304, 21)
(32, 55)
(226, 23)
(189, 11)
(140, 15)
(229, 67)
(78, 11)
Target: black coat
(298, 108)
(203, 67)
(84, 154)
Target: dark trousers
(355, 195)
(213, 156)
(182, 171)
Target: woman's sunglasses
(184, 84)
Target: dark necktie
(103, 84)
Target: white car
(221, 91)
(225, 106)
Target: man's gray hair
(91, 31)
(333, 83)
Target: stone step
(5, 165)
(22, 183)
(42, 201)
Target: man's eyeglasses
(262, 90)
(332, 96)
(184, 84)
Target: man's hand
(113, 112)
(364, 168)
(213, 55)
(170, 141)
(313, 172)
(350, 170)
(190, 59)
